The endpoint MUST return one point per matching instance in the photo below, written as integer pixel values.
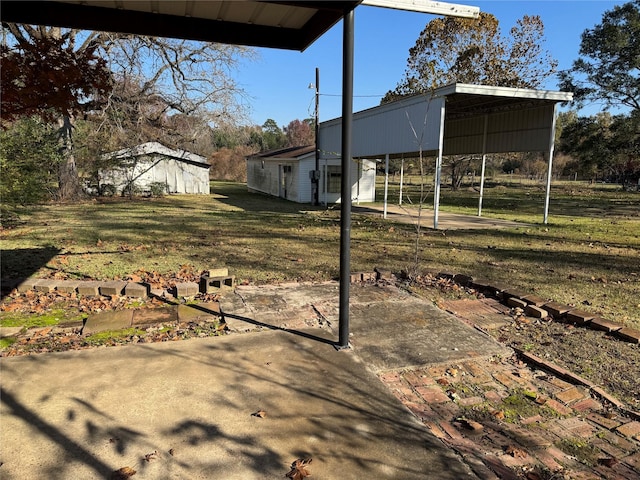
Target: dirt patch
(604, 360)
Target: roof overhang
(464, 100)
(290, 25)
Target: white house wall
(362, 191)
(262, 176)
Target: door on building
(285, 178)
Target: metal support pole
(345, 190)
(437, 181)
(484, 161)
(401, 180)
(386, 184)
(552, 139)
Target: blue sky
(277, 83)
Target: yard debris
(299, 469)
(123, 473)
(515, 451)
(151, 456)
(259, 414)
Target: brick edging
(538, 307)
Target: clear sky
(277, 83)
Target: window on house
(334, 176)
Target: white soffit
(426, 6)
(508, 92)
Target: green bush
(158, 189)
(29, 161)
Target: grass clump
(584, 451)
(112, 336)
(49, 319)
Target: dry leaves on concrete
(123, 473)
(299, 469)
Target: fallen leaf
(299, 469)
(151, 456)
(123, 473)
(259, 413)
(515, 451)
(499, 414)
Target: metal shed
(453, 120)
(153, 163)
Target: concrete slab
(446, 220)
(104, 321)
(85, 414)
(10, 331)
(412, 332)
(390, 328)
(208, 312)
(147, 316)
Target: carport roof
(464, 100)
(292, 25)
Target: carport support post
(436, 188)
(345, 186)
(401, 180)
(552, 140)
(484, 162)
(386, 184)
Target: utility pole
(316, 176)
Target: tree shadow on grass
(20, 263)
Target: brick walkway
(509, 420)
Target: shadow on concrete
(250, 321)
(133, 406)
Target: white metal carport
(455, 119)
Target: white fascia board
(427, 6)
(504, 92)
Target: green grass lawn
(588, 254)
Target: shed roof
(292, 25)
(150, 148)
(285, 153)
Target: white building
(153, 163)
(286, 173)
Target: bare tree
(159, 77)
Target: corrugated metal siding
(381, 130)
(395, 128)
(179, 176)
(516, 131)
